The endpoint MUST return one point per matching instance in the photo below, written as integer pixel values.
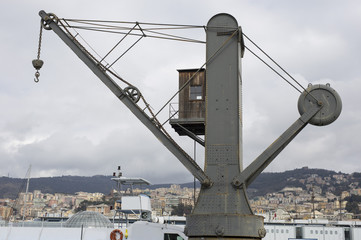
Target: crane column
(222, 211)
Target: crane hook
(37, 63)
(37, 75)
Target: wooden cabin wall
(191, 109)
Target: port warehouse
(343, 230)
(305, 229)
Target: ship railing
(33, 224)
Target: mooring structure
(222, 210)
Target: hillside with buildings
(10, 187)
(300, 193)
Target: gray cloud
(69, 123)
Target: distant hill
(10, 187)
(265, 183)
(273, 182)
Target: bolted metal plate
(327, 97)
(232, 225)
(225, 154)
(223, 238)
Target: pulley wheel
(37, 63)
(325, 96)
(133, 93)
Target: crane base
(222, 238)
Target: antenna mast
(26, 192)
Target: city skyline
(314, 199)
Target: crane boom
(51, 23)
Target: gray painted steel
(222, 210)
(327, 96)
(245, 178)
(183, 157)
(319, 105)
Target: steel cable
(109, 27)
(289, 75)
(90, 55)
(106, 30)
(89, 21)
(154, 118)
(116, 29)
(280, 75)
(188, 81)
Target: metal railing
(33, 224)
(175, 113)
(173, 110)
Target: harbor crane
(222, 210)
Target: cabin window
(196, 93)
(172, 236)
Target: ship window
(281, 230)
(287, 231)
(331, 232)
(316, 231)
(335, 232)
(311, 231)
(172, 236)
(196, 93)
(326, 232)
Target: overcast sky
(71, 124)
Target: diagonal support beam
(192, 135)
(99, 71)
(248, 175)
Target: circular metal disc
(133, 93)
(328, 97)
